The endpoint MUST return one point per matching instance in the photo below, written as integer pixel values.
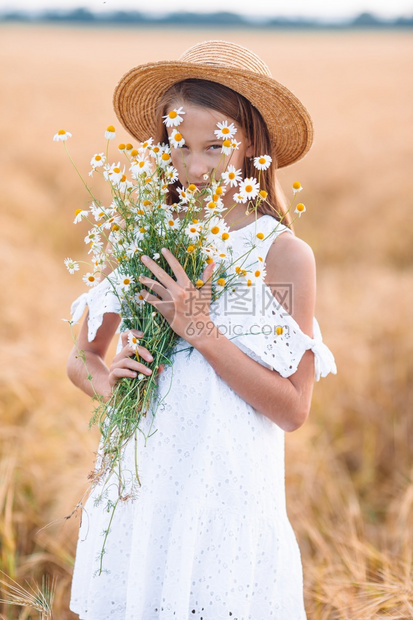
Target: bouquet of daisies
(142, 219)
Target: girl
(208, 536)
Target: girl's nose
(197, 167)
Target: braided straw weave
(137, 94)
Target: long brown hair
(234, 106)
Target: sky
(320, 9)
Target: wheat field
(349, 468)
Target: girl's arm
(86, 367)
(285, 401)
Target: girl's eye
(215, 146)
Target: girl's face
(201, 154)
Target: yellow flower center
(141, 164)
(225, 130)
(141, 212)
(249, 283)
(300, 207)
(296, 185)
(116, 170)
(192, 229)
(165, 156)
(98, 158)
(209, 261)
(279, 330)
(173, 114)
(225, 236)
(194, 221)
(199, 283)
(261, 160)
(263, 194)
(129, 146)
(148, 180)
(237, 269)
(190, 248)
(110, 128)
(147, 203)
(133, 152)
(211, 205)
(122, 147)
(219, 191)
(142, 229)
(156, 149)
(126, 282)
(248, 188)
(215, 230)
(171, 222)
(115, 227)
(260, 235)
(221, 281)
(178, 137)
(78, 211)
(257, 273)
(123, 179)
(226, 143)
(215, 197)
(91, 278)
(231, 175)
(192, 187)
(61, 132)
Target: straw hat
(137, 95)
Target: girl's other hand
(124, 366)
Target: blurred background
(349, 468)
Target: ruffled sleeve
(274, 338)
(99, 300)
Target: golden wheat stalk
(39, 598)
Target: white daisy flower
(139, 166)
(232, 176)
(217, 226)
(297, 187)
(172, 223)
(71, 265)
(171, 174)
(262, 162)
(300, 209)
(90, 279)
(249, 188)
(132, 249)
(133, 342)
(183, 195)
(174, 118)
(156, 256)
(258, 274)
(193, 231)
(225, 131)
(176, 139)
(125, 282)
(97, 212)
(240, 198)
(61, 136)
(80, 214)
(97, 160)
(139, 300)
(144, 146)
(92, 236)
(110, 132)
(164, 159)
(123, 184)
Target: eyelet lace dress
(207, 537)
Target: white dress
(208, 536)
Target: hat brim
(139, 91)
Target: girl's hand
(184, 306)
(124, 366)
